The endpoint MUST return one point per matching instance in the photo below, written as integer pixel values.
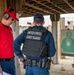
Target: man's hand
(0, 69)
(21, 60)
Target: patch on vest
(34, 35)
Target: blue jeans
(8, 66)
(36, 71)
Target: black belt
(7, 59)
(44, 63)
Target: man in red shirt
(6, 42)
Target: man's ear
(6, 16)
(43, 22)
(33, 23)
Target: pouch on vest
(34, 44)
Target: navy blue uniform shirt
(21, 38)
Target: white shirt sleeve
(4, 73)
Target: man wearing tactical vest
(38, 45)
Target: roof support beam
(69, 4)
(37, 8)
(46, 6)
(31, 10)
(57, 6)
(28, 13)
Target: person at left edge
(6, 42)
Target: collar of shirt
(39, 27)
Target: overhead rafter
(69, 4)
(31, 10)
(25, 15)
(57, 6)
(46, 6)
(28, 13)
(37, 8)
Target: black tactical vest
(34, 44)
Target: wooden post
(55, 18)
(3, 6)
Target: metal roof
(45, 7)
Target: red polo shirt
(6, 42)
